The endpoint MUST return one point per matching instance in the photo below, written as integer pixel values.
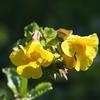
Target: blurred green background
(83, 16)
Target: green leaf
(29, 29)
(39, 90)
(49, 34)
(14, 82)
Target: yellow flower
(79, 52)
(30, 58)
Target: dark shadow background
(83, 16)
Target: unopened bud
(36, 35)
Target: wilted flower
(64, 33)
(79, 52)
(30, 58)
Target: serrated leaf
(14, 82)
(39, 90)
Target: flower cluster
(55, 51)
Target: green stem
(24, 84)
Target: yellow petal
(83, 63)
(77, 64)
(87, 57)
(37, 73)
(91, 52)
(66, 48)
(91, 40)
(69, 61)
(18, 57)
(31, 70)
(33, 48)
(47, 57)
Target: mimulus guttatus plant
(46, 47)
(49, 52)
